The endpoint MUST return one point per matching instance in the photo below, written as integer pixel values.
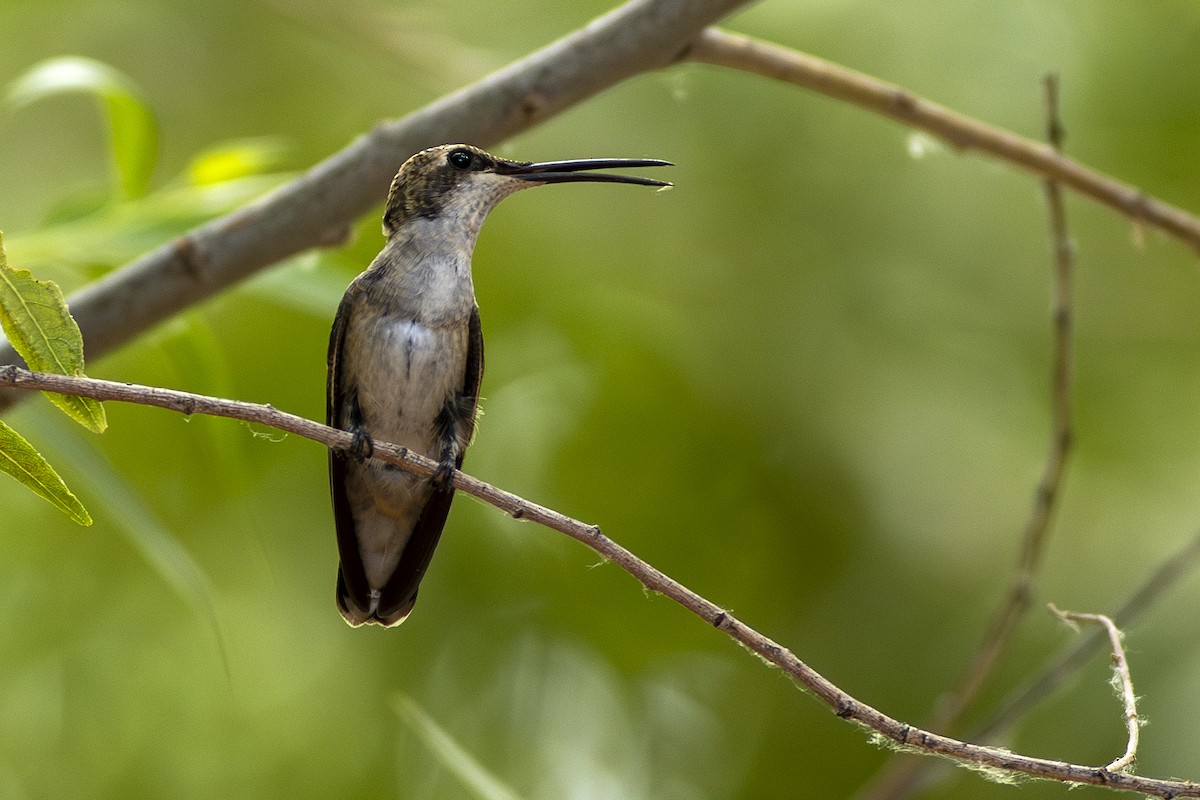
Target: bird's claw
(361, 447)
(443, 476)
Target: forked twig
(1061, 668)
(1165, 576)
(1121, 679)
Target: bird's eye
(460, 159)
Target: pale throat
(434, 256)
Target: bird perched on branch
(405, 362)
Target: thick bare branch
(841, 703)
(318, 208)
(769, 60)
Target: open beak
(565, 171)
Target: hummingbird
(405, 364)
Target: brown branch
(958, 130)
(318, 208)
(1173, 569)
(900, 778)
(842, 704)
(1121, 678)
(1164, 577)
(1033, 542)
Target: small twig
(1017, 706)
(1121, 678)
(841, 703)
(726, 49)
(1173, 569)
(900, 777)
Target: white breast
(406, 379)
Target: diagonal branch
(846, 707)
(1060, 669)
(318, 208)
(958, 130)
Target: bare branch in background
(772, 61)
(1062, 668)
(1033, 542)
(318, 208)
(1050, 678)
(841, 703)
(901, 777)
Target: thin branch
(1047, 681)
(958, 130)
(842, 704)
(318, 208)
(1173, 569)
(1121, 678)
(1033, 542)
(901, 776)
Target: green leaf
(119, 232)
(133, 135)
(19, 459)
(35, 319)
(237, 158)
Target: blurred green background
(811, 382)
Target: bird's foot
(361, 447)
(443, 476)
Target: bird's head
(464, 181)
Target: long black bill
(564, 171)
